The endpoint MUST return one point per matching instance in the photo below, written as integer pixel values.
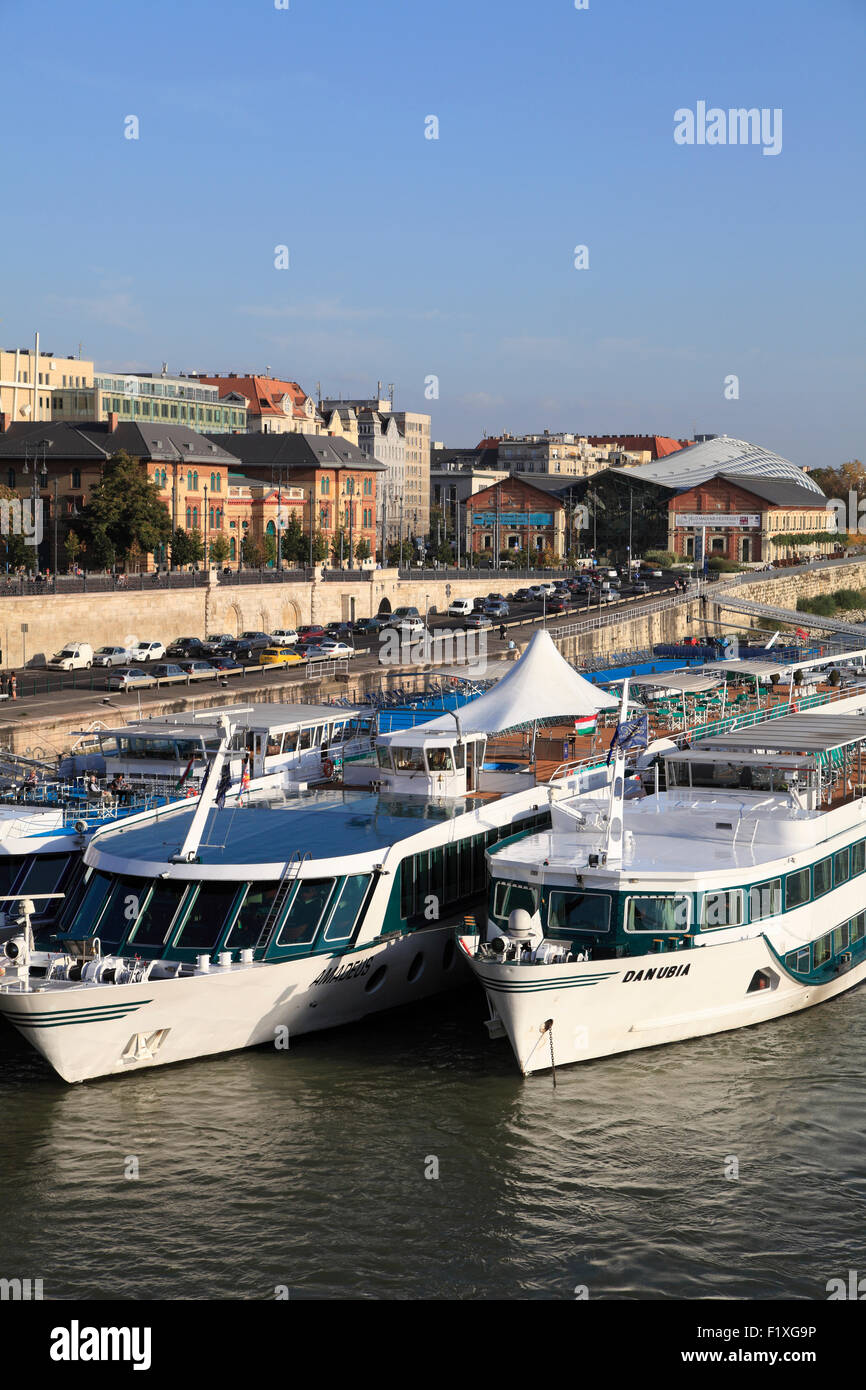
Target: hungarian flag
(586, 724)
(182, 779)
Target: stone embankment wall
(162, 614)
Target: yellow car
(279, 656)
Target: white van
(460, 608)
(75, 656)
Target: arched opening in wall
(291, 614)
(745, 550)
(237, 617)
(264, 620)
(385, 605)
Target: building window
(10, 477)
(189, 481)
(232, 548)
(195, 482)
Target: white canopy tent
(540, 686)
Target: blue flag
(631, 733)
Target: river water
(727, 1167)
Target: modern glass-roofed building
(699, 462)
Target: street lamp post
(204, 525)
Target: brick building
(514, 515)
(738, 517)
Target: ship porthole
(376, 979)
(448, 955)
(416, 969)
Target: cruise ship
(732, 894)
(209, 927)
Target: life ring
(796, 707)
(190, 791)
(328, 767)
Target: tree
(196, 541)
(269, 549)
(14, 550)
(219, 550)
(340, 550)
(400, 554)
(295, 544)
(320, 547)
(124, 510)
(251, 551)
(73, 546)
(362, 549)
(181, 548)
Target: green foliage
(724, 566)
(219, 549)
(125, 510)
(362, 549)
(340, 547)
(295, 543)
(824, 605)
(850, 598)
(251, 552)
(660, 559)
(269, 549)
(320, 547)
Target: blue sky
(452, 257)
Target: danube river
(729, 1167)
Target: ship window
(577, 912)
(822, 877)
(858, 927)
(308, 905)
(765, 899)
(840, 939)
(383, 756)
(821, 950)
(408, 759)
(858, 857)
(724, 909)
(290, 741)
(508, 897)
(439, 760)
(460, 756)
(251, 919)
(797, 888)
(122, 909)
(207, 917)
(158, 915)
(306, 739)
(343, 917)
(799, 960)
(8, 869)
(840, 866)
(43, 875)
(94, 898)
(658, 914)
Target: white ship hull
(86, 1031)
(601, 1008)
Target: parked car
(147, 651)
(341, 631)
(477, 620)
(284, 637)
(479, 605)
(409, 627)
(198, 669)
(110, 656)
(332, 647)
(656, 574)
(279, 656)
(220, 639)
(166, 671)
(399, 615)
(124, 678)
(369, 626)
(497, 609)
(187, 647)
(75, 656)
(556, 604)
(495, 598)
(310, 632)
(640, 586)
(460, 608)
(611, 596)
(522, 596)
(224, 661)
(260, 639)
(537, 592)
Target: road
(44, 695)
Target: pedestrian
(502, 632)
(13, 686)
